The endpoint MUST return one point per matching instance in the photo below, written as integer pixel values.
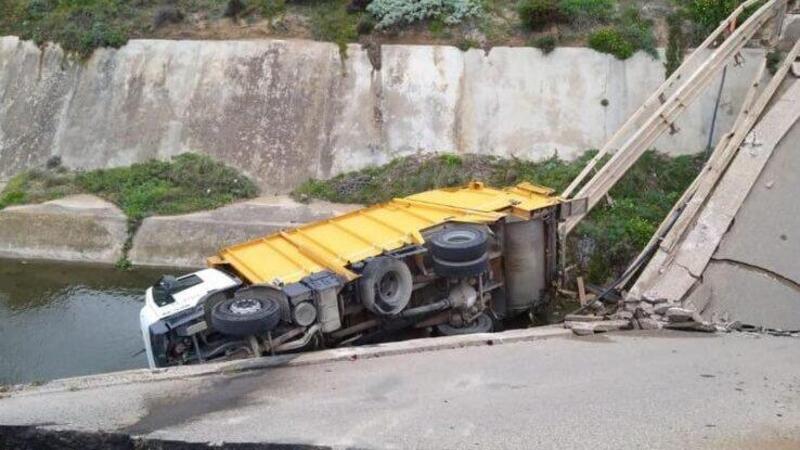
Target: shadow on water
(59, 320)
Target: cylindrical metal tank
(525, 276)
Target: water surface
(62, 320)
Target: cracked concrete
(754, 275)
(738, 260)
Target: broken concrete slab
(602, 326)
(187, 240)
(80, 228)
(676, 314)
(766, 233)
(673, 277)
(750, 296)
(648, 323)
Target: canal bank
(85, 228)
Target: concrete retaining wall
(76, 228)
(187, 240)
(85, 228)
(283, 111)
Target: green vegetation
(536, 14)
(80, 26)
(676, 42)
(707, 14)
(602, 245)
(271, 8)
(545, 43)
(587, 12)
(629, 33)
(188, 183)
(701, 17)
(774, 60)
(391, 13)
(610, 40)
(331, 22)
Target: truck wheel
(461, 269)
(459, 244)
(481, 324)
(245, 316)
(385, 286)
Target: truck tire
(461, 269)
(481, 324)
(459, 244)
(245, 316)
(385, 286)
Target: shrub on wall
(390, 13)
(610, 40)
(545, 43)
(637, 31)
(628, 33)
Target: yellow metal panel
(291, 255)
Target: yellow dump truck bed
(290, 255)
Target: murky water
(61, 320)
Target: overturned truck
(454, 260)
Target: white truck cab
(172, 302)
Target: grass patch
(676, 42)
(602, 245)
(629, 33)
(330, 21)
(79, 26)
(188, 183)
(587, 12)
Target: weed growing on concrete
(330, 21)
(602, 244)
(676, 42)
(774, 59)
(545, 43)
(610, 40)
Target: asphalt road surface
(626, 390)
